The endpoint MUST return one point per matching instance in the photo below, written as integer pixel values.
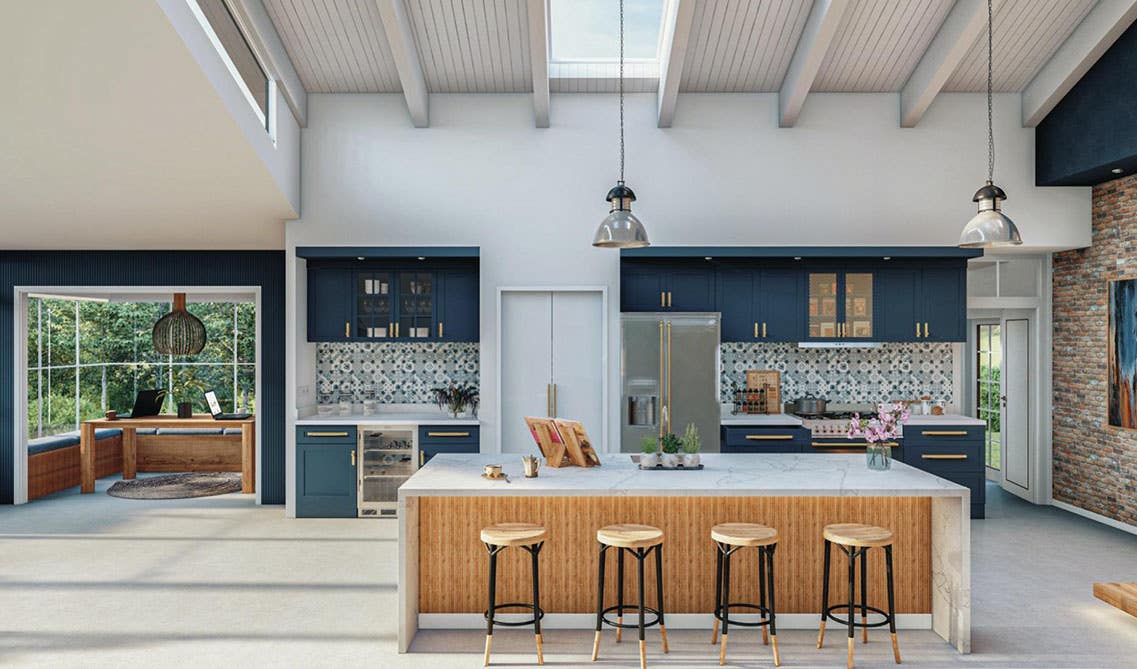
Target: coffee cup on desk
(111, 415)
(492, 471)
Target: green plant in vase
(670, 445)
(691, 443)
(649, 452)
(457, 398)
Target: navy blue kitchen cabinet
(901, 312)
(667, 287)
(943, 292)
(436, 439)
(329, 304)
(764, 439)
(459, 306)
(393, 301)
(953, 452)
(927, 303)
(326, 476)
(760, 305)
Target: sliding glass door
(988, 393)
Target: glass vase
(878, 457)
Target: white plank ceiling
(482, 46)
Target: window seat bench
(53, 462)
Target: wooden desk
(129, 427)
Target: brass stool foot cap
(596, 646)
(774, 644)
(540, 651)
(619, 631)
(850, 660)
(489, 645)
(643, 655)
(895, 648)
(715, 633)
(663, 633)
(722, 651)
(865, 629)
(765, 636)
(821, 634)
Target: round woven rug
(178, 486)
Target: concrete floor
(94, 581)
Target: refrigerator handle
(662, 397)
(669, 376)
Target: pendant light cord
(621, 91)
(990, 77)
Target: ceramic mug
(492, 471)
(530, 464)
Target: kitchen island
(442, 580)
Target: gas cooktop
(828, 415)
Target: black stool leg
(641, 554)
(599, 602)
(493, 550)
(762, 593)
(718, 592)
(891, 613)
(852, 597)
(725, 603)
(769, 550)
(620, 593)
(824, 595)
(534, 551)
(659, 593)
(864, 595)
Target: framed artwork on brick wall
(1122, 352)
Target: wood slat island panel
(453, 563)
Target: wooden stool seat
(513, 534)
(744, 534)
(857, 535)
(628, 535)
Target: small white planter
(669, 460)
(690, 460)
(649, 460)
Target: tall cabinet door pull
(917, 329)
(763, 329)
(926, 329)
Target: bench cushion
(190, 430)
(52, 443)
(146, 430)
(107, 433)
(233, 430)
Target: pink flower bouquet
(880, 432)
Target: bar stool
(730, 538)
(496, 539)
(856, 540)
(640, 541)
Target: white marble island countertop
(775, 474)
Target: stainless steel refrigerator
(669, 372)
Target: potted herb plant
(691, 443)
(670, 445)
(457, 398)
(881, 433)
(649, 452)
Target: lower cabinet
(953, 452)
(764, 439)
(326, 475)
(436, 439)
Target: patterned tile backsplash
(400, 373)
(846, 375)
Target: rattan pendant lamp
(179, 332)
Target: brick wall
(1095, 465)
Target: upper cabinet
(769, 298)
(391, 300)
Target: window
(85, 357)
(988, 395)
(231, 43)
(589, 30)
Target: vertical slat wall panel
(156, 268)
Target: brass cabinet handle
(756, 330)
(669, 299)
(325, 434)
(926, 329)
(763, 329)
(944, 433)
(353, 457)
(447, 434)
(421, 458)
(663, 298)
(396, 330)
(822, 444)
(946, 456)
(347, 329)
(439, 328)
(769, 437)
(549, 399)
(917, 328)
(554, 400)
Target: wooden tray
(771, 380)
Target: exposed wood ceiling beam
(539, 59)
(265, 43)
(676, 31)
(397, 26)
(962, 27)
(1093, 37)
(815, 40)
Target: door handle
(769, 437)
(1003, 399)
(917, 329)
(325, 434)
(396, 330)
(945, 456)
(763, 329)
(554, 400)
(447, 434)
(663, 298)
(925, 328)
(549, 399)
(669, 299)
(353, 457)
(755, 330)
(662, 396)
(944, 433)
(670, 409)
(421, 458)
(440, 329)
(347, 330)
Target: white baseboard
(675, 621)
(1104, 520)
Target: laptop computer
(215, 409)
(148, 403)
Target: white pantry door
(1015, 422)
(551, 363)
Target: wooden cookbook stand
(564, 443)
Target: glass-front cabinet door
(416, 305)
(857, 323)
(374, 292)
(823, 317)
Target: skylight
(589, 30)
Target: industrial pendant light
(179, 332)
(990, 227)
(621, 229)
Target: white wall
(724, 175)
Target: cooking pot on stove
(809, 405)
